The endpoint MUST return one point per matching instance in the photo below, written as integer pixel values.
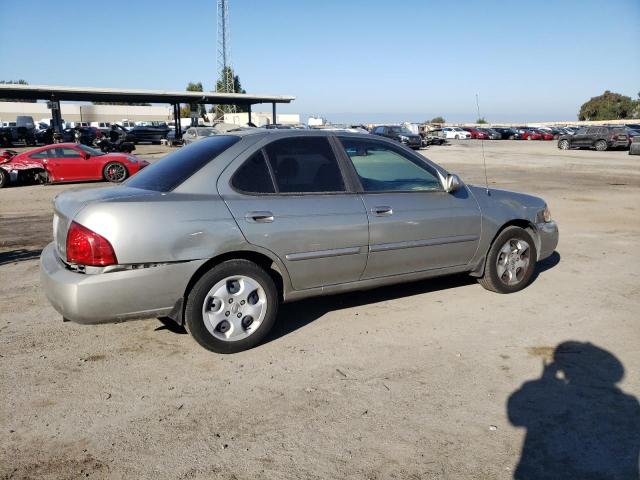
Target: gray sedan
(194, 134)
(218, 234)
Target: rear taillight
(85, 247)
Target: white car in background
(455, 133)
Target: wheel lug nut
(231, 300)
(226, 314)
(239, 315)
(241, 302)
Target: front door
(69, 164)
(414, 225)
(291, 198)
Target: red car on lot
(475, 133)
(68, 162)
(530, 134)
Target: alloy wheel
(513, 261)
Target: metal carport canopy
(49, 92)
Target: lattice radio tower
(224, 82)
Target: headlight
(404, 138)
(544, 215)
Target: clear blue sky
(349, 60)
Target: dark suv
(399, 134)
(599, 137)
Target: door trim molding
(334, 252)
(384, 247)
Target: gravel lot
(403, 382)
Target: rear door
(289, 196)
(414, 225)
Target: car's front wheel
(232, 307)
(115, 172)
(4, 178)
(563, 144)
(510, 262)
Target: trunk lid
(67, 205)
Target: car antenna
(484, 161)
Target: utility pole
(224, 82)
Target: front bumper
(113, 296)
(549, 236)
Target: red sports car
(69, 162)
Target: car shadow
(295, 315)
(19, 255)
(546, 264)
(579, 423)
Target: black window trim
(350, 188)
(392, 145)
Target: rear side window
(304, 165)
(253, 176)
(175, 168)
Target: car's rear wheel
(232, 307)
(563, 144)
(115, 172)
(4, 178)
(601, 145)
(457, 137)
(510, 262)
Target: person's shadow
(580, 425)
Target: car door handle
(259, 217)
(382, 211)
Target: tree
(608, 106)
(237, 88)
(15, 82)
(438, 120)
(481, 121)
(185, 110)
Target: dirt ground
(411, 381)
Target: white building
(261, 118)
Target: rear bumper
(113, 296)
(549, 236)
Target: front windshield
(400, 130)
(91, 151)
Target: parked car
(491, 133)
(476, 133)
(433, 137)
(399, 134)
(530, 134)
(599, 137)
(153, 134)
(507, 133)
(456, 133)
(88, 135)
(23, 130)
(70, 162)
(222, 231)
(104, 127)
(194, 134)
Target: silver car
(193, 134)
(217, 234)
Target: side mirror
(87, 156)
(450, 183)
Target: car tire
(510, 262)
(232, 327)
(457, 137)
(601, 145)
(115, 172)
(563, 145)
(4, 178)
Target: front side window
(379, 130)
(383, 168)
(582, 131)
(253, 176)
(304, 165)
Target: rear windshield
(175, 168)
